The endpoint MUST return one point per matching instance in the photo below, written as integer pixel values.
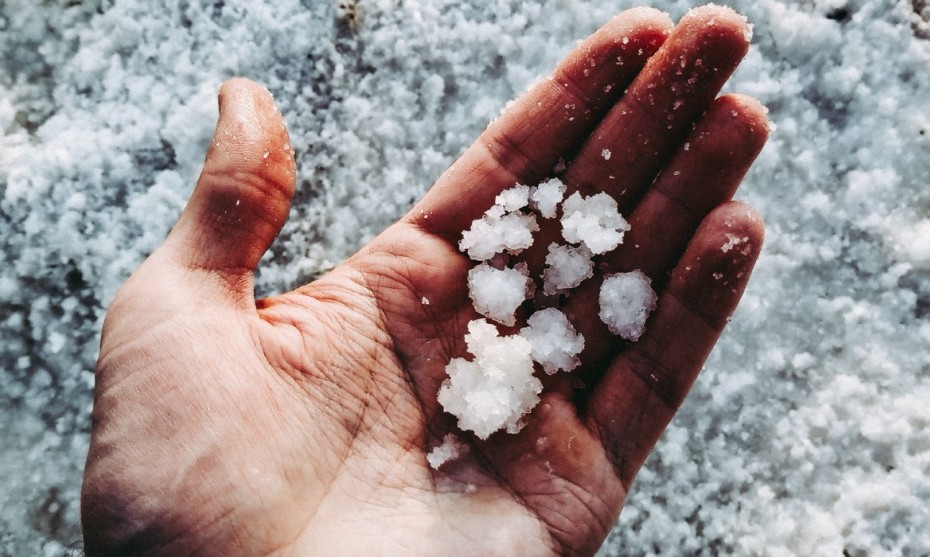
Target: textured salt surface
(593, 222)
(807, 433)
(566, 268)
(494, 389)
(626, 300)
(497, 293)
(450, 449)
(555, 344)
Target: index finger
(550, 121)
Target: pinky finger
(644, 386)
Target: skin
(300, 424)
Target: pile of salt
(497, 388)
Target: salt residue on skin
(555, 344)
(567, 267)
(450, 449)
(497, 293)
(626, 300)
(593, 221)
(494, 390)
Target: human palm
(300, 424)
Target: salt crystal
(593, 221)
(450, 449)
(733, 241)
(497, 293)
(626, 301)
(496, 389)
(513, 199)
(546, 197)
(495, 233)
(424, 301)
(555, 344)
(567, 267)
(606, 154)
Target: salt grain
(626, 301)
(546, 197)
(450, 449)
(496, 389)
(593, 221)
(567, 267)
(497, 293)
(495, 233)
(555, 344)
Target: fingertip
(720, 23)
(744, 121)
(712, 274)
(243, 195)
(252, 136)
(732, 225)
(644, 19)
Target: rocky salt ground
(809, 431)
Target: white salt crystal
(497, 388)
(513, 199)
(555, 344)
(626, 301)
(593, 221)
(450, 449)
(606, 154)
(567, 267)
(733, 241)
(497, 293)
(546, 197)
(424, 301)
(495, 233)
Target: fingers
(640, 135)
(544, 125)
(652, 119)
(700, 177)
(243, 195)
(644, 386)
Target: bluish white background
(807, 434)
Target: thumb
(243, 195)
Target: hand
(299, 424)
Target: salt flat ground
(809, 431)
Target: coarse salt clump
(593, 221)
(626, 300)
(567, 267)
(495, 233)
(497, 293)
(497, 388)
(502, 228)
(450, 449)
(555, 344)
(513, 199)
(546, 197)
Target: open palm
(300, 424)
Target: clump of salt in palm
(566, 268)
(555, 344)
(503, 228)
(497, 293)
(626, 300)
(496, 388)
(593, 222)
